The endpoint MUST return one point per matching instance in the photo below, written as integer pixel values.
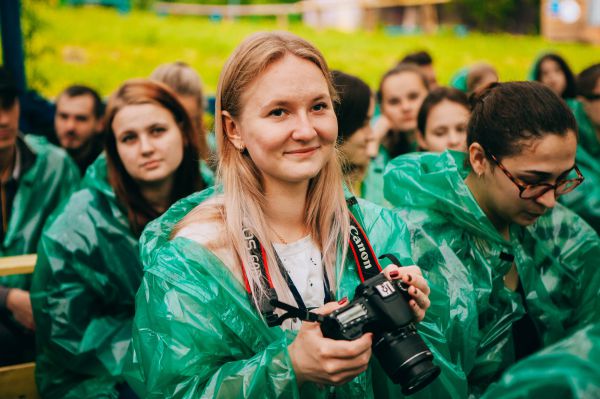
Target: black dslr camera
(380, 306)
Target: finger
(418, 282)
(421, 299)
(392, 272)
(331, 306)
(344, 375)
(340, 349)
(418, 312)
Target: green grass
(99, 47)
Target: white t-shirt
(302, 262)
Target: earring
(241, 149)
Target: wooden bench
(18, 381)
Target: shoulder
(46, 151)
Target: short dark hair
(420, 58)
(8, 88)
(435, 97)
(587, 80)
(506, 115)
(398, 69)
(571, 88)
(81, 90)
(353, 106)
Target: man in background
(78, 124)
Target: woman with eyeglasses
(511, 271)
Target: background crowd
(491, 189)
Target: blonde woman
(199, 331)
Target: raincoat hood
(436, 182)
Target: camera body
(380, 306)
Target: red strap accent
(246, 283)
(367, 241)
(264, 256)
(358, 268)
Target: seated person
(552, 70)
(424, 62)
(200, 328)
(88, 268)
(585, 201)
(185, 82)
(442, 120)
(511, 270)
(35, 177)
(78, 124)
(354, 111)
(475, 77)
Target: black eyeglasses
(534, 191)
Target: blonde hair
(242, 203)
(185, 81)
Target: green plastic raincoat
(196, 333)
(568, 369)
(51, 179)
(372, 185)
(83, 291)
(464, 258)
(585, 200)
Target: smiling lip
(303, 151)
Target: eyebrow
(285, 103)
(545, 175)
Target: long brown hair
(187, 175)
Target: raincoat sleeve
(194, 339)
(450, 327)
(568, 369)
(75, 329)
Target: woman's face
(355, 147)
(549, 159)
(552, 76)
(287, 122)
(149, 142)
(446, 128)
(401, 97)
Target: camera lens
(406, 359)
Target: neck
(285, 210)
(80, 154)
(477, 187)
(158, 195)
(7, 159)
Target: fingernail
(409, 277)
(343, 300)
(394, 274)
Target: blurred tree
(517, 16)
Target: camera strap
(366, 262)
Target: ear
(479, 162)
(232, 130)
(421, 141)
